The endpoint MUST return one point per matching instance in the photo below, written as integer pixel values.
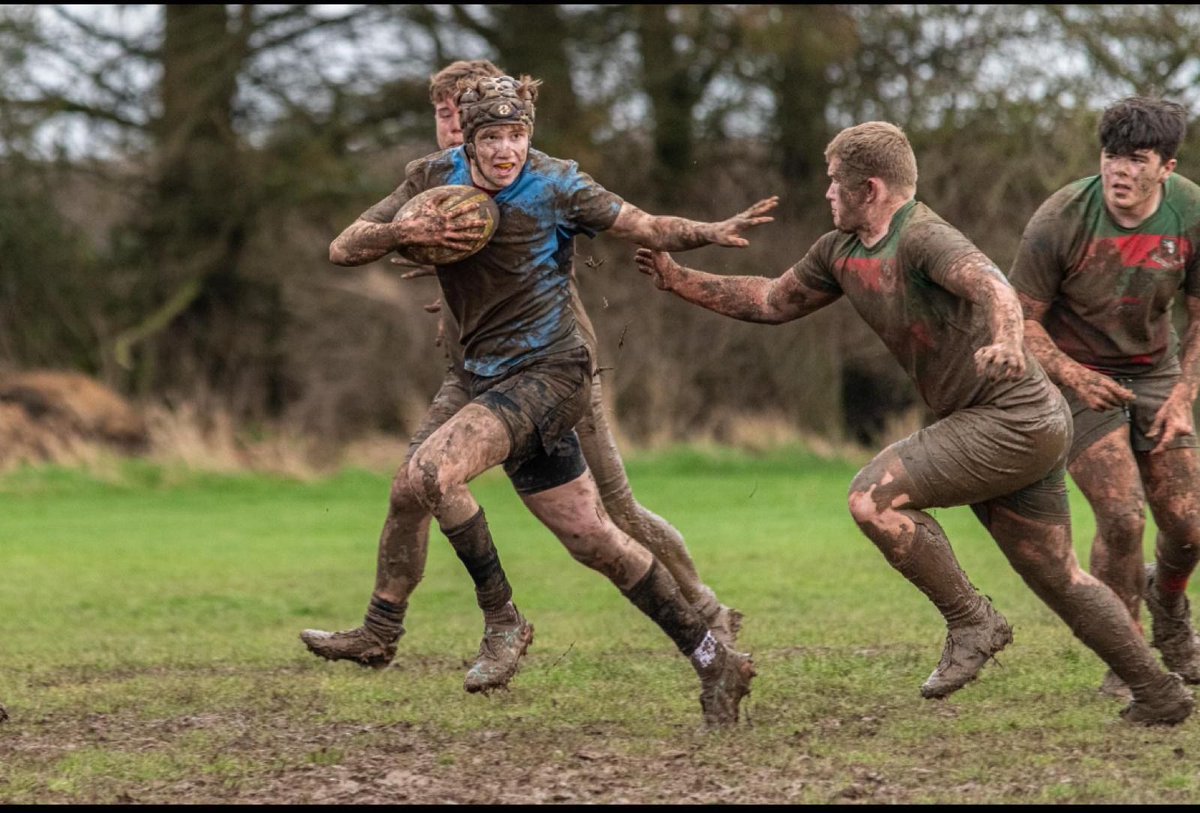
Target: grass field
(149, 654)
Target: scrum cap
(485, 101)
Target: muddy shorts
(1151, 388)
(540, 403)
(989, 455)
(451, 397)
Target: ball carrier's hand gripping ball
(454, 202)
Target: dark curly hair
(1142, 123)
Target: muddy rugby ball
(456, 204)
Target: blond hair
(444, 84)
(874, 149)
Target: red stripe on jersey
(1147, 250)
(867, 269)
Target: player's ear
(875, 190)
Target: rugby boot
(968, 648)
(499, 655)
(723, 684)
(1112, 686)
(1168, 703)
(3, 714)
(1172, 632)
(361, 645)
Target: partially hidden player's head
(443, 86)
(871, 168)
(1139, 139)
(497, 122)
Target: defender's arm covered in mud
(1096, 390)
(751, 299)
(1175, 416)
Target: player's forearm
(666, 233)
(1004, 314)
(1057, 364)
(745, 298)
(363, 242)
(1189, 361)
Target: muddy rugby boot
(1169, 703)
(723, 684)
(499, 655)
(1112, 686)
(359, 645)
(1172, 632)
(967, 649)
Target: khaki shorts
(988, 455)
(540, 403)
(1151, 388)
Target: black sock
(657, 595)
(472, 541)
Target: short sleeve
(815, 268)
(589, 208)
(1037, 271)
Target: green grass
(148, 652)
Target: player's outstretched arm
(1174, 417)
(751, 299)
(666, 233)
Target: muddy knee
(403, 500)
(867, 505)
(425, 483)
(1122, 529)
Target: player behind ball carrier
(1096, 273)
(529, 368)
(1000, 443)
(405, 538)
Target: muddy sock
(1099, 619)
(657, 595)
(384, 619)
(472, 541)
(1175, 565)
(932, 567)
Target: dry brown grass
(68, 419)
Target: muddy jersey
(1110, 288)
(454, 348)
(512, 300)
(897, 288)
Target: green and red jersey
(1110, 288)
(897, 286)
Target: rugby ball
(459, 199)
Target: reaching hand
(1096, 390)
(659, 265)
(1174, 418)
(728, 232)
(418, 271)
